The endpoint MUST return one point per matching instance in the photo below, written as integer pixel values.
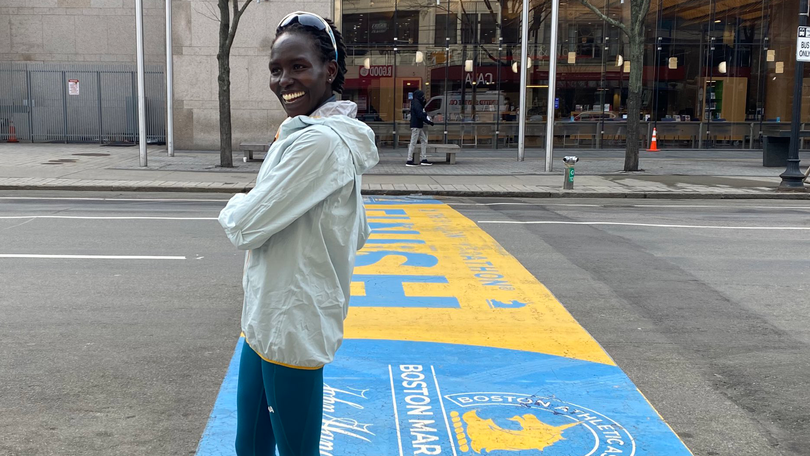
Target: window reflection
(707, 65)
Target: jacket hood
(418, 95)
(340, 117)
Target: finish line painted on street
(453, 348)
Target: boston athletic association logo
(496, 423)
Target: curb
(128, 188)
(576, 194)
(454, 193)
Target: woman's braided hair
(323, 44)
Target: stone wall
(101, 31)
(256, 113)
(79, 31)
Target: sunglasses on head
(310, 20)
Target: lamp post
(142, 158)
(793, 178)
(169, 81)
(552, 84)
(524, 51)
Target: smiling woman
(302, 226)
(306, 65)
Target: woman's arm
(308, 172)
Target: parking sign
(803, 45)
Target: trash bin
(775, 151)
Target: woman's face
(301, 80)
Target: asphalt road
(711, 324)
(126, 355)
(103, 357)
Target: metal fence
(592, 134)
(79, 103)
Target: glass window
(434, 105)
(711, 61)
(489, 29)
(446, 27)
(510, 30)
(370, 83)
(408, 27)
(381, 27)
(355, 28)
(469, 28)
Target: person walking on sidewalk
(302, 226)
(418, 120)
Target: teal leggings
(277, 406)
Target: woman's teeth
(292, 96)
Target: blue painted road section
(220, 432)
(455, 349)
(410, 398)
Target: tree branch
(492, 13)
(607, 19)
(213, 15)
(244, 7)
(237, 14)
(640, 16)
(214, 12)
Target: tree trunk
(634, 99)
(224, 83)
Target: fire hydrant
(569, 160)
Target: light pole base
(792, 178)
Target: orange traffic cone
(12, 133)
(654, 142)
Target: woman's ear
(331, 71)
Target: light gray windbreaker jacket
(302, 225)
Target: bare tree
(635, 34)
(227, 31)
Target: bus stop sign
(803, 45)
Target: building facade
(715, 71)
(91, 40)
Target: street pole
(524, 56)
(552, 84)
(169, 81)
(141, 88)
(793, 178)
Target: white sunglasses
(310, 20)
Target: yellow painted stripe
(543, 325)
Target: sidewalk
(478, 172)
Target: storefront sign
(803, 45)
(379, 27)
(377, 71)
(480, 78)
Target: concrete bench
(250, 147)
(450, 151)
